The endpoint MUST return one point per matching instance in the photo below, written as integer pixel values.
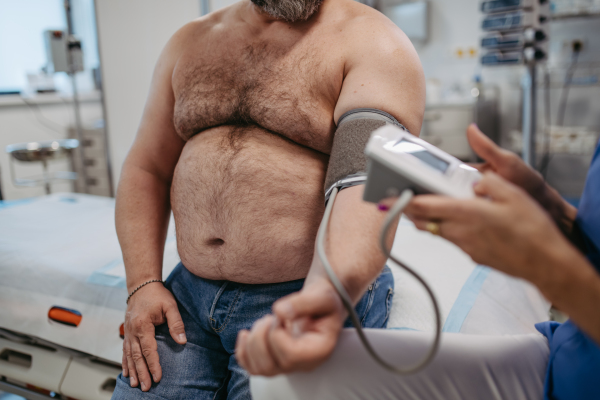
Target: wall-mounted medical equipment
(400, 164)
(63, 52)
(42, 152)
(95, 161)
(515, 26)
(517, 33)
(412, 18)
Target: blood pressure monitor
(398, 160)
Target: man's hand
(503, 228)
(299, 336)
(152, 305)
(510, 167)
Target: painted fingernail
(182, 337)
(383, 207)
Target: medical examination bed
(62, 295)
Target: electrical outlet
(577, 46)
(571, 46)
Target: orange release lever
(65, 316)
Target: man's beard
(289, 10)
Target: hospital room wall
(131, 35)
(454, 27)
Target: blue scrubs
(574, 363)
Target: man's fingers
(150, 353)
(307, 302)
(260, 359)
(124, 360)
(241, 354)
(133, 380)
(141, 368)
(302, 352)
(175, 323)
(483, 146)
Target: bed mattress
(62, 251)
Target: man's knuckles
(137, 357)
(148, 352)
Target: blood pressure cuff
(348, 163)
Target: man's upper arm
(157, 146)
(383, 71)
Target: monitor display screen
(420, 152)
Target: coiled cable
(395, 211)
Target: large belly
(247, 205)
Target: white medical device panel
(400, 161)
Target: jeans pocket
(374, 308)
(388, 304)
(223, 306)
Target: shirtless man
(235, 139)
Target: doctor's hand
(503, 228)
(299, 336)
(510, 167)
(150, 306)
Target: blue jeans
(213, 313)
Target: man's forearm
(352, 243)
(142, 218)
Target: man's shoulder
(203, 25)
(364, 25)
(359, 16)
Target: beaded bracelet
(141, 286)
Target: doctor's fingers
(140, 365)
(433, 207)
(259, 355)
(485, 148)
(497, 188)
(470, 237)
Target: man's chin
(289, 10)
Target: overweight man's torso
(256, 109)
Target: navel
(215, 242)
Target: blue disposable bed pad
(472, 299)
(466, 299)
(113, 273)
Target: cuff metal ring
(433, 228)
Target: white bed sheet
(62, 250)
(49, 249)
